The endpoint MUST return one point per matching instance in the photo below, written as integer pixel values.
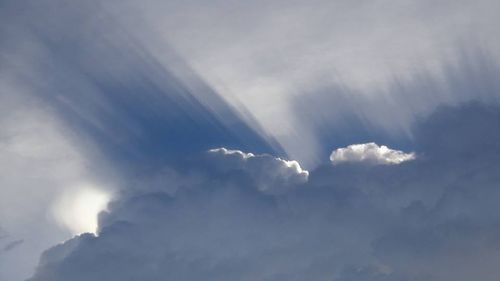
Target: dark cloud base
(434, 218)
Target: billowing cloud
(71, 101)
(138, 91)
(426, 219)
(270, 174)
(370, 153)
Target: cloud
(297, 84)
(432, 218)
(336, 114)
(3, 234)
(12, 245)
(39, 159)
(123, 104)
(370, 153)
(72, 103)
(296, 66)
(271, 174)
(138, 108)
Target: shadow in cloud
(112, 90)
(432, 218)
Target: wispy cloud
(12, 245)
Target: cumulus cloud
(432, 218)
(231, 215)
(370, 153)
(270, 173)
(235, 215)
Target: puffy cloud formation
(433, 218)
(370, 153)
(270, 174)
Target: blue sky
(264, 140)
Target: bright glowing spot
(78, 208)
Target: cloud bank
(85, 105)
(432, 218)
(116, 93)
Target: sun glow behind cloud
(77, 209)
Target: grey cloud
(105, 82)
(3, 233)
(336, 114)
(79, 91)
(39, 159)
(432, 218)
(12, 245)
(360, 67)
(371, 273)
(263, 60)
(119, 89)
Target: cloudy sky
(249, 140)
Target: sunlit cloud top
(369, 153)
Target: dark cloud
(432, 218)
(12, 245)
(6, 243)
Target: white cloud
(271, 173)
(225, 151)
(370, 153)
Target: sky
(249, 140)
